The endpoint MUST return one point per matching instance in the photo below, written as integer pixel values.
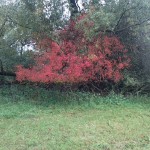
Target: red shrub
(76, 59)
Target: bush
(77, 59)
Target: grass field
(38, 119)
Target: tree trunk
(74, 7)
(4, 73)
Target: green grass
(38, 119)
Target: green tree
(23, 23)
(130, 21)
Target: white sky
(11, 1)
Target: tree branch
(123, 13)
(4, 73)
(21, 25)
(1, 63)
(1, 28)
(133, 25)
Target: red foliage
(76, 59)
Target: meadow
(33, 118)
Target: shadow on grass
(25, 101)
(43, 97)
